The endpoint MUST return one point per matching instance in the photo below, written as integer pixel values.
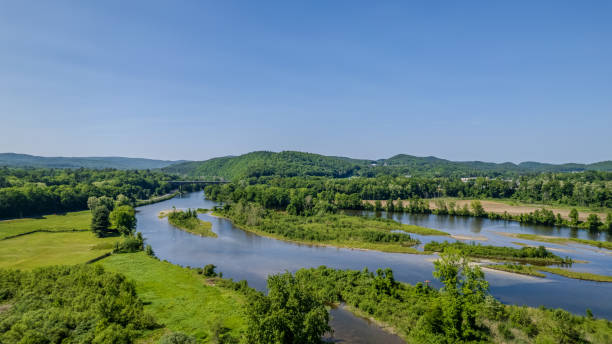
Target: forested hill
(25, 160)
(290, 163)
(256, 164)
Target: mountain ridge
(117, 162)
(293, 163)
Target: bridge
(200, 182)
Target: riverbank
(162, 198)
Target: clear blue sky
(463, 80)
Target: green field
(79, 220)
(179, 298)
(43, 249)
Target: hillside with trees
(290, 163)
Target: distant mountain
(290, 163)
(25, 160)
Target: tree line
(27, 192)
(308, 196)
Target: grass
(179, 298)
(516, 268)
(189, 224)
(562, 241)
(587, 276)
(79, 220)
(43, 249)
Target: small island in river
(187, 220)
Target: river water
(242, 255)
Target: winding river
(242, 255)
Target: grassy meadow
(179, 298)
(79, 220)
(44, 249)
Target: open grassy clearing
(79, 220)
(558, 240)
(179, 298)
(44, 249)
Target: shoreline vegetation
(152, 200)
(596, 221)
(536, 256)
(335, 230)
(559, 240)
(536, 271)
(188, 221)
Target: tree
(573, 215)
(477, 208)
(464, 291)
(289, 314)
(100, 220)
(124, 219)
(593, 222)
(122, 200)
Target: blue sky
(463, 80)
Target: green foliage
(188, 220)
(100, 221)
(78, 304)
(123, 217)
(477, 209)
(130, 244)
(539, 255)
(289, 314)
(177, 338)
(181, 299)
(328, 228)
(26, 192)
(289, 163)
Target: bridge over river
(200, 182)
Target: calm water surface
(241, 255)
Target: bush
(177, 338)
(70, 304)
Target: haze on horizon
(516, 81)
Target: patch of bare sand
(469, 237)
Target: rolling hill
(290, 163)
(25, 160)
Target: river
(244, 256)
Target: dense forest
(590, 188)
(26, 192)
(290, 164)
